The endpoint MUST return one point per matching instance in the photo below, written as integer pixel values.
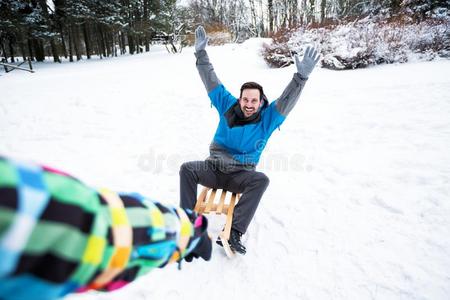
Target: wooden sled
(206, 204)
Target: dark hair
(253, 85)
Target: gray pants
(251, 184)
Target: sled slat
(200, 205)
(210, 201)
(222, 201)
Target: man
(245, 126)
(59, 236)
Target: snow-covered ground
(359, 201)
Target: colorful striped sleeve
(58, 235)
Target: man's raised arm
(286, 102)
(204, 67)
(220, 97)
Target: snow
(359, 201)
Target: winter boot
(234, 242)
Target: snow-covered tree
(421, 9)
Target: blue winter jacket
(236, 148)
(245, 143)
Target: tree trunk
(38, 49)
(76, 39)
(145, 22)
(107, 36)
(111, 42)
(253, 12)
(59, 22)
(285, 15)
(270, 11)
(53, 47)
(30, 49)
(294, 10)
(63, 42)
(341, 12)
(323, 5)
(11, 49)
(4, 50)
(130, 43)
(114, 42)
(296, 23)
(141, 44)
(123, 49)
(22, 48)
(304, 20)
(262, 28)
(119, 40)
(87, 42)
(96, 41)
(101, 40)
(70, 43)
(147, 43)
(138, 45)
(54, 51)
(312, 11)
(110, 36)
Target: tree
(323, 5)
(270, 13)
(420, 9)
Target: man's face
(250, 102)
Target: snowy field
(359, 201)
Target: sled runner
(206, 204)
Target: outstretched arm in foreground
(58, 235)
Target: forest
(37, 30)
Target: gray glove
(310, 59)
(200, 39)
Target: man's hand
(310, 59)
(200, 39)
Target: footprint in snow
(277, 221)
(379, 202)
(282, 247)
(172, 295)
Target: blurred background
(351, 33)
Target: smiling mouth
(248, 110)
